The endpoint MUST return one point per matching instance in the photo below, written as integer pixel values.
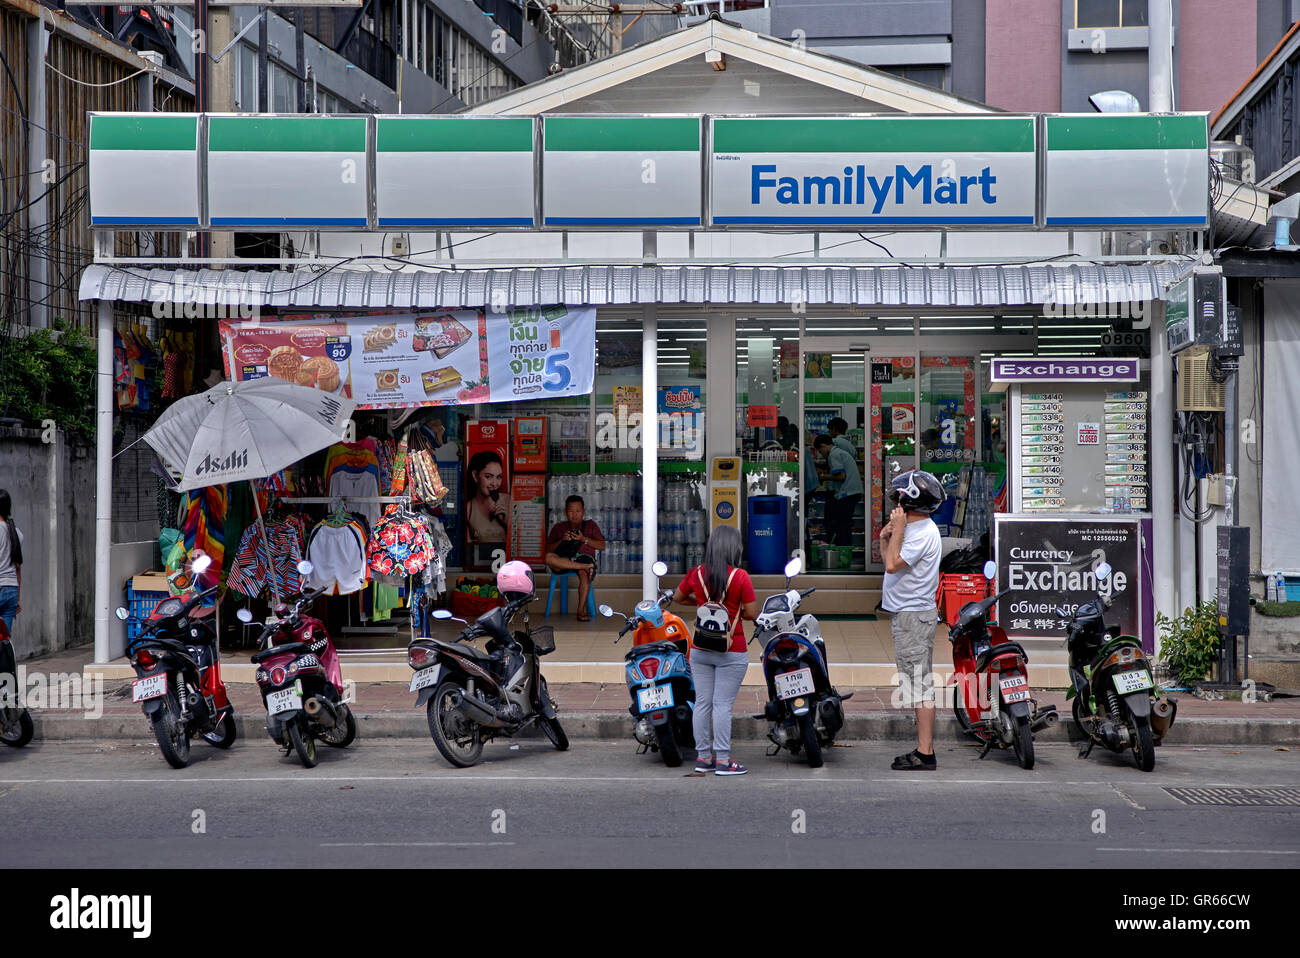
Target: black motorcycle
(805, 710)
(16, 728)
(1115, 701)
(178, 683)
(474, 696)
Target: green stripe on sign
(621, 134)
(158, 132)
(280, 134)
(426, 134)
(1127, 132)
(875, 135)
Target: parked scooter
(178, 669)
(805, 710)
(1115, 700)
(16, 727)
(658, 676)
(473, 696)
(991, 697)
(300, 680)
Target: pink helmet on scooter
(515, 580)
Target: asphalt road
(600, 804)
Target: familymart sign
(371, 173)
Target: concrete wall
(52, 486)
(1216, 53)
(1273, 18)
(1022, 59)
(862, 18)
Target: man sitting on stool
(572, 547)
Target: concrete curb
(875, 726)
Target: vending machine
(485, 513)
(528, 492)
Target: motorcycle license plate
(283, 701)
(654, 698)
(1014, 689)
(791, 684)
(1135, 681)
(425, 677)
(149, 687)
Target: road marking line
(1205, 851)
(412, 844)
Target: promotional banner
(487, 491)
(443, 357)
(1049, 562)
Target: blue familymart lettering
(850, 188)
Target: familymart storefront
(741, 365)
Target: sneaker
(730, 768)
(703, 766)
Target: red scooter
(300, 679)
(991, 697)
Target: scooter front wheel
(459, 740)
(223, 736)
(20, 732)
(303, 743)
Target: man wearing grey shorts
(911, 548)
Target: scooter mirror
(1103, 571)
(990, 570)
(201, 564)
(606, 611)
(121, 613)
(441, 613)
(793, 567)
(660, 568)
(243, 615)
(305, 567)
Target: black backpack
(712, 620)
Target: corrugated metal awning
(885, 286)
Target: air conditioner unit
(1197, 390)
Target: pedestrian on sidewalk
(911, 547)
(718, 675)
(11, 562)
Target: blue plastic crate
(140, 603)
(1291, 586)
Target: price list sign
(1042, 438)
(1126, 451)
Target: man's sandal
(912, 762)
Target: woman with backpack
(724, 594)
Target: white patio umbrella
(246, 430)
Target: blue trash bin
(768, 546)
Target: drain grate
(1278, 796)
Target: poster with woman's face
(487, 486)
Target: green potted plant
(1189, 643)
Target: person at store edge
(718, 675)
(846, 483)
(11, 562)
(572, 547)
(911, 548)
(485, 513)
(836, 428)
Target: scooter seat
(1002, 648)
(652, 648)
(461, 648)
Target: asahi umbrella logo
(236, 460)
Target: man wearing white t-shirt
(911, 548)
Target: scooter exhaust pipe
(1163, 713)
(321, 712)
(475, 709)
